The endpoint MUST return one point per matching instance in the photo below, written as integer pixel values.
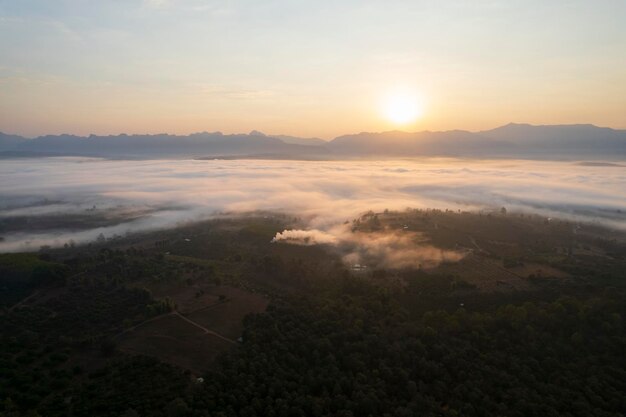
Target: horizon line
(255, 132)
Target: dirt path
(23, 301)
(130, 329)
(208, 331)
(176, 313)
(477, 246)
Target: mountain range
(509, 141)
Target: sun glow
(401, 107)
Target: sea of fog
(163, 193)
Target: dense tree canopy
(331, 343)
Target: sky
(307, 68)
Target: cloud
(323, 193)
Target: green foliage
(21, 273)
(332, 357)
(140, 385)
(399, 342)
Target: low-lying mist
(387, 248)
(90, 197)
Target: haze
(307, 68)
(148, 195)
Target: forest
(529, 323)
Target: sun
(402, 107)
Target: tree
(177, 408)
(108, 347)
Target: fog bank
(163, 193)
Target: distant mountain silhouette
(301, 141)
(395, 143)
(158, 146)
(566, 140)
(509, 141)
(512, 141)
(9, 142)
(292, 139)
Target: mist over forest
(117, 197)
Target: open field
(485, 273)
(173, 340)
(207, 322)
(227, 317)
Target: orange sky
(319, 69)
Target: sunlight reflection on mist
(166, 192)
